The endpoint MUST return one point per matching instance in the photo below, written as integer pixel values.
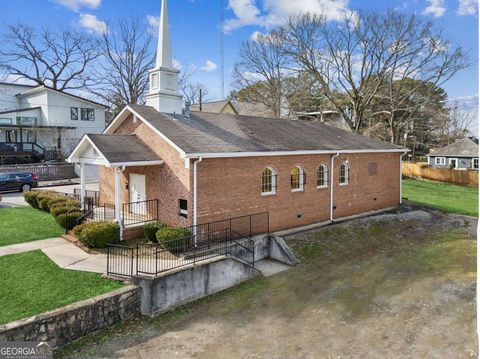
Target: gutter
(331, 186)
(195, 195)
(401, 184)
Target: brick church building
(200, 167)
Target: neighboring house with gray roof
(234, 108)
(460, 155)
(196, 167)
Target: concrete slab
(94, 263)
(268, 267)
(32, 246)
(66, 254)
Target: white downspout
(401, 183)
(195, 196)
(331, 186)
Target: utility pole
(222, 50)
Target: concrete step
(269, 267)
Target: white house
(43, 121)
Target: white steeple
(163, 94)
(164, 50)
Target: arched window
(322, 175)
(344, 173)
(297, 179)
(269, 181)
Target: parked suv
(18, 181)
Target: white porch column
(118, 196)
(82, 183)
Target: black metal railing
(120, 260)
(230, 237)
(90, 195)
(98, 213)
(140, 212)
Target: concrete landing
(269, 267)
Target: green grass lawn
(447, 197)
(31, 283)
(26, 224)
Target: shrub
(60, 208)
(174, 239)
(68, 221)
(31, 198)
(151, 229)
(42, 199)
(98, 234)
(77, 230)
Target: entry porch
(116, 154)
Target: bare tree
(193, 92)
(122, 70)
(366, 52)
(455, 126)
(262, 69)
(56, 59)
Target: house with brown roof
(187, 167)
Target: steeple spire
(164, 50)
(163, 94)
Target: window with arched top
(269, 181)
(297, 179)
(344, 174)
(322, 176)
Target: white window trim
(347, 174)
(473, 163)
(326, 176)
(453, 159)
(274, 182)
(301, 178)
(440, 161)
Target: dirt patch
(382, 287)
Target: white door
(137, 193)
(453, 162)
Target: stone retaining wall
(61, 326)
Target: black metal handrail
(140, 212)
(200, 244)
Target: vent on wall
(300, 215)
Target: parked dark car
(18, 181)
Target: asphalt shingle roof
(217, 133)
(462, 148)
(123, 148)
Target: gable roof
(48, 88)
(466, 147)
(221, 135)
(240, 108)
(122, 148)
(212, 106)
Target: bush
(60, 208)
(43, 199)
(151, 229)
(77, 230)
(31, 198)
(68, 221)
(174, 239)
(98, 234)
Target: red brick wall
(231, 187)
(168, 182)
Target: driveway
(15, 199)
(391, 286)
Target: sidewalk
(64, 253)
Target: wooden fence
(44, 171)
(423, 170)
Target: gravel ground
(390, 286)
